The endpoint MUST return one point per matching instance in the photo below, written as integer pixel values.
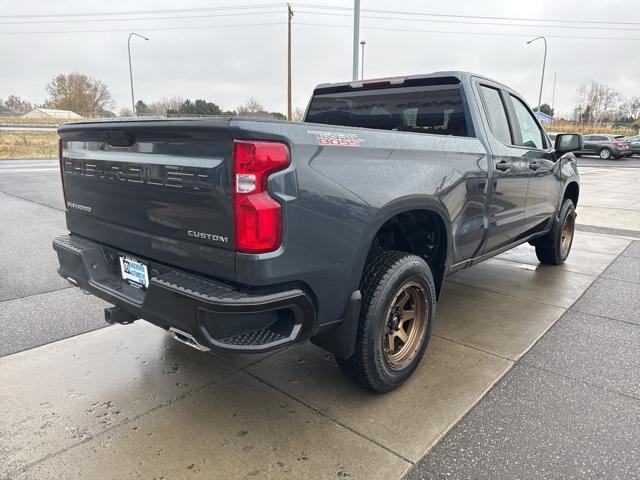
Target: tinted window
(436, 109)
(586, 137)
(529, 129)
(496, 114)
(596, 138)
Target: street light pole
(362, 43)
(356, 36)
(544, 63)
(133, 102)
(289, 106)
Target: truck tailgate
(156, 189)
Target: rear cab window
(434, 109)
(510, 119)
(496, 114)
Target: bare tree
(630, 108)
(298, 114)
(125, 112)
(15, 103)
(79, 93)
(596, 102)
(162, 106)
(251, 107)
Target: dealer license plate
(134, 272)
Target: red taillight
(61, 161)
(617, 144)
(258, 216)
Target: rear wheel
(554, 248)
(605, 154)
(398, 306)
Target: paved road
(36, 305)
(29, 128)
(570, 408)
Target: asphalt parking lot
(83, 401)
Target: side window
(586, 138)
(531, 133)
(496, 114)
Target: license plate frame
(135, 272)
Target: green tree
(546, 108)
(196, 107)
(79, 93)
(142, 108)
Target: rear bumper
(216, 315)
(622, 152)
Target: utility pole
(363, 43)
(356, 36)
(289, 108)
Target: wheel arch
(412, 208)
(572, 192)
(341, 340)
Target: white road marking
(29, 170)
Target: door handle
(534, 164)
(503, 166)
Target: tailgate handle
(119, 138)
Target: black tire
(554, 248)
(605, 154)
(384, 279)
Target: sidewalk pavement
(570, 408)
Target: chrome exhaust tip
(187, 339)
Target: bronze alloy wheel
(566, 237)
(405, 323)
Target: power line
(85, 20)
(312, 6)
(144, 12)
(476, 17)
(465, 22)
(193, 27)
(328, 25)
(273, 12)
(451, 32)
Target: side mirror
(568, 142)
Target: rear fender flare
(405, 204)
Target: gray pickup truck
(247, 235)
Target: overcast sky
(230, 64)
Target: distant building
(6, 112)
(52, 113)
(543, 118)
